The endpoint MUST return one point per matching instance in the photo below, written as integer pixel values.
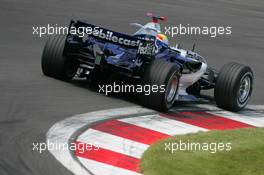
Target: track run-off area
(120, 136)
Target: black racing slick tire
(165, 76)
(54, 63)
(233, 87)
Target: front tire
(54, 63)
(160, 73)
(234, 86)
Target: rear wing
(145, 47)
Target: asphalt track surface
(31, 103)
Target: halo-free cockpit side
(147, 57)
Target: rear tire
(54, 63)
(233, 87)
(164, 74)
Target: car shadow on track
(205, 99)
(83, 83)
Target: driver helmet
(163, 38)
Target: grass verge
(236, 152)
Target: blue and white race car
(147, 58)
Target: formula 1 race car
(145, 57)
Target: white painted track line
(255, 107)
(162, 124)
(62, 131)
(113, 143)
(98, 168)
(215, 108)
(251, 117)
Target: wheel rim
(244, 89)
(172, 87)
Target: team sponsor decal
(146, 48)
(105, 34)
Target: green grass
(245, 158)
